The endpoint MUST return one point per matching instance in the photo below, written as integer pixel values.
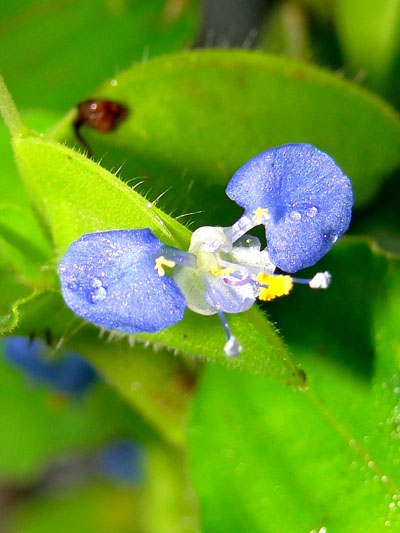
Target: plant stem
(9, 111)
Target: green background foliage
(300, 432)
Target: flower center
(217, 276)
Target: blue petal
(74, 374)
(108, 278)
(308, 198)
(121, 461)
(30, 357)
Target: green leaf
(25, 264)
(91, 200)
(11, 187)
(369, 35)
(164, 503)
(169, 502)
(157, 386)
(75, 195)
(44, 311)
(26, 253)
(197, 117)
(14, 293)
(267, 458)
(87, 508)
(287, 32)
(58, 54)
(52, 425)
(24, 243)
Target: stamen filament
(239, 282)
(246, 269)
(301, 281)
(232, 348)
(242, 226)
(180, 257)
(320, 280)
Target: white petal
(193, 289)
(211, 239)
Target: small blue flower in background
(67, 374)
(117, 279)
(120, 461)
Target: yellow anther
(162, 262)
(261, 214)
(222, 271)
(276, 286)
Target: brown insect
(101, 115)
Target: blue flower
(128, 280)
(69, 373)
(300, 195)
(120, 461)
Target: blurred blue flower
(116, 279)
(120, 461)
(69, 373)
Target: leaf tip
(9, 111)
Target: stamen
(301, 281)
(321, 280)
(161, 262)
(239, 282)
(232, 348)
(218, 271)
(180, 257)
(261, 214)
(274, 286)
(242, 226)
(240, 268)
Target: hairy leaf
(330, 453)
(196, 117)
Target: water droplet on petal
(312, 211)
(330, 237)
(96, 283)
(97, 295)
(295, 215)
(72, 285)
(98, 292)
(101, 293)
